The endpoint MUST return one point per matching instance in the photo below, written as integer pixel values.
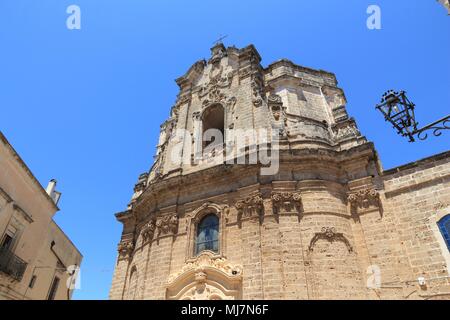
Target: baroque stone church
(328, 223)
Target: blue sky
(84, 106)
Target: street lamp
(399, 111)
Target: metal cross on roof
(220, 39)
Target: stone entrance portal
(205, 278)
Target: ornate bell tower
(208, 222)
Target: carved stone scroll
(329, 234)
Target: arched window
(213, 119)
(444, 227)
(207, 234)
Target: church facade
(264, 188)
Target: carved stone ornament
(329, 234)
(205, 261)
(250, 205)
(286, 202)
(274, 99)
(257, 102)
(364, 197)
(206, 278)
(218, 54)
(258, 91)
(276, 107)
(125, 249)
(167, 225)
(344, 132)
(196, 115)
(157, 168)
(216, 81)
(231, 104)
(183, 100)
(148, 230)
(278, 197)
(214, 96)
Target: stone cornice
(249, 51)
(287, 157)
(301, 82)
(325, 75)
(5, 195)
(124, 216)
(412, 165)
(27, 216)
(193, 71)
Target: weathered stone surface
(310, 231)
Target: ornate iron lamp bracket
(399, 111)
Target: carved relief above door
(206, 279)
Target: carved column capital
(167, 225)
(286, 202)
(364, 198)
(249, 206)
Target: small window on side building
(53, 289)
(32, 282)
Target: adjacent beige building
(37, 260)
(330, 223)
